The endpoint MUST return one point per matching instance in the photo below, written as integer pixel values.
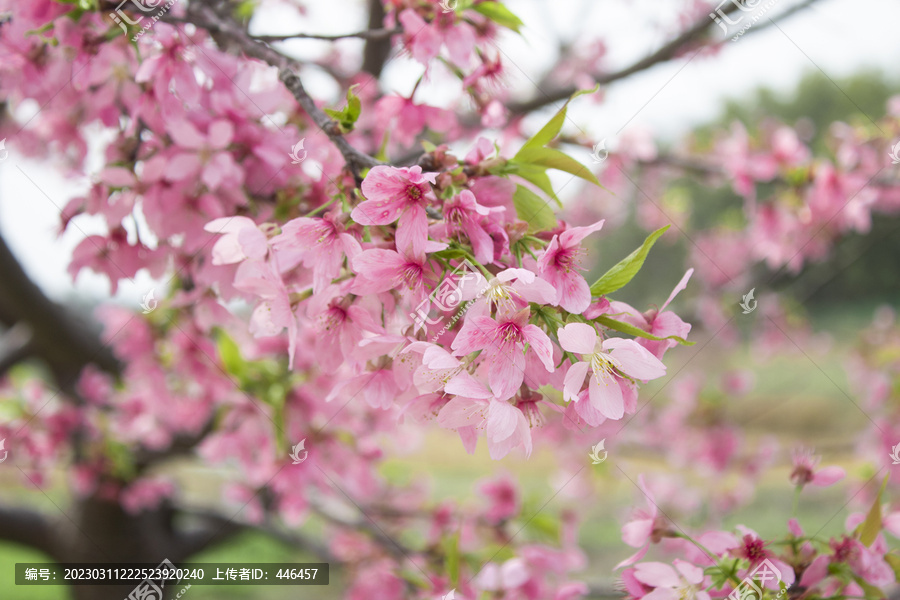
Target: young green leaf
(532, 209)
(871, 527)
(499, 14)
(630, 329)
(347, 116)
(554, 159)
(625, 270)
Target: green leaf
(554, 159)
(532, 209)
(871, 527)
(538, 176)
(627, 268)
(347, 116)
(894, 561)
(230, 354)
(499, 14)
(549, 131)
(630, 329)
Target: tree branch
(29, 528)
(223, 29)
(667, 52)
(217, 529)
(64, 343)
(368, 34)
(376, 52)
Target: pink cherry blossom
(559, 264)
(503, 344)
(804, 470)
(393, 194)
(608, 361)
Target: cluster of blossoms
(350, 281)
(714, 563)
(353, 305)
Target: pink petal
(691, 573)
(412, 232)
(656, 574)
(462, 412)
(681, 285)
(379, 265)
(606, 396)
(827, 476)
(466, 386)
(502, 420)
(573, 236)
(634, 360)
(506, 372)
(476, 334)
(186, 135)
(220, 134)
(574, 380)
(637, 533)
(580, 338)
(540, 344)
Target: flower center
(568, 259)
(603, 364)
(509, 332)
(414, 193)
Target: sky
(838, 37)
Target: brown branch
(376, 52)
(29, 528)
(231, 38)
(368, 34)
(216, 528)
(670, 50)
(66, 344)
